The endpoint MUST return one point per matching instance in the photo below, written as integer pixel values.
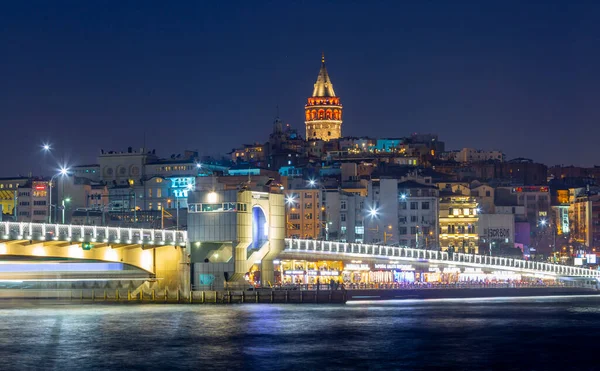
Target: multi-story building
(402, 211)
(33, 200)
(478, 155)
(585, 218)
(535, 199)
(458, 223)
(304, 213)
(9, 195)
(345, 216)
(323, 110)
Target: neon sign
(180, 186)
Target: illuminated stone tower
(323, 110)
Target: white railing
(430, 256)
(90, 233)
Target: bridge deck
(299, 246)
(89, 233)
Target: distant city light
(199, 165)
(403, 196)
(46, 147)
(373, 212)
(312, 182)
(64, 171)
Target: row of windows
(414, 205)
(459, 211)
(176, 168)
(460, 229)
(413, 219)
(2, 186)
(217, 207)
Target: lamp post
(63, 172)
(550, 224)
(63, 208)
(312, 183)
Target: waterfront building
(458, 219)
(323, 110)
(234, 229)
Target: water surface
(477, 334)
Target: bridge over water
(147, 254)
(383, 253)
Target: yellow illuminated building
(458, 224)
(323, 110)
(7, 200)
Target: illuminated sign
(40, 187)
(402, 267)
(357, 267)
(578, 261)
(591, 258)
(531, 189)
(294, 273)
(329, 273)
(181, 185)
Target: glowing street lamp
(403, 196)
(64, 207)
(290, 200)
(373, 212)
(312, 182)
(63, 172)
(46, 147)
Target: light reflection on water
(504, 334)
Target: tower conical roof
(323, 86)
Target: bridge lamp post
(63, 208)
(62, 173)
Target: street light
(312, 182)
(46, 147)
(63, 208)
(63, 172)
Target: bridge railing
(407, 253)
(90, 233)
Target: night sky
(87, 75)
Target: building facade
(458, 223)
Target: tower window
(328, 133)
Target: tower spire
(323, 110)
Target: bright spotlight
(64, 171)
(403, 196)
(199, 165)
(373, 212)
(543, 222)
(290, 200)
(46, 147)
(312, 182)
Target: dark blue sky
(86, 75)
